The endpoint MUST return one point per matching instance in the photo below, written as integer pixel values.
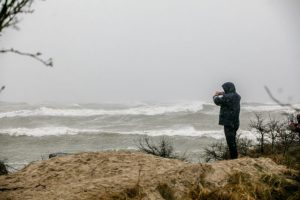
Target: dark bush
(216, 151)
(163, 148)
(3, 168)
(220, 151)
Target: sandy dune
(122, 175)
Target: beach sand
(123, 175)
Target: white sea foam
(141, 110)
(267, 108)
(58, 131)
(191, 131)
(45, 131)
(184, 131)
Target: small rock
(52, 155)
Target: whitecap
(267, 108)
(141, 110)
(183, 131)
(45, 131)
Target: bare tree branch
(279, 102)
(2, 88)
(36, 56)
(10, 12)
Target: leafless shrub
(273, 128)
(220, 151)
(163, 148)
(275, 131)
(244, 145)
(216, 151)
(260, 129)
(286, 138)
(273, 136)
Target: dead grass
(166, 191)
(241, 186)
(133, 193)
(291, 159)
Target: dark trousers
(230, 133)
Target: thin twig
(36, 56)
(279, 102)
(2, 88)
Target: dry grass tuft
(166, 191)
(133, 193)
(241, 186)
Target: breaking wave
(267, 108)
(45, 131)
(192, 132)
(58, 131)
(141, 110)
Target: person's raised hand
(218, 93)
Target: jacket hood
(228, 87)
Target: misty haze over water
(128, 51)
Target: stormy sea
(30, 132)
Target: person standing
(229, 101)
(295, 127)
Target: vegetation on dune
(241, 186)
(3, 168)
(163, 148)
(220, 151)
(274, 140)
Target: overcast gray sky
(155, 50)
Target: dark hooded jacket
(295, 127)
(230, 105)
